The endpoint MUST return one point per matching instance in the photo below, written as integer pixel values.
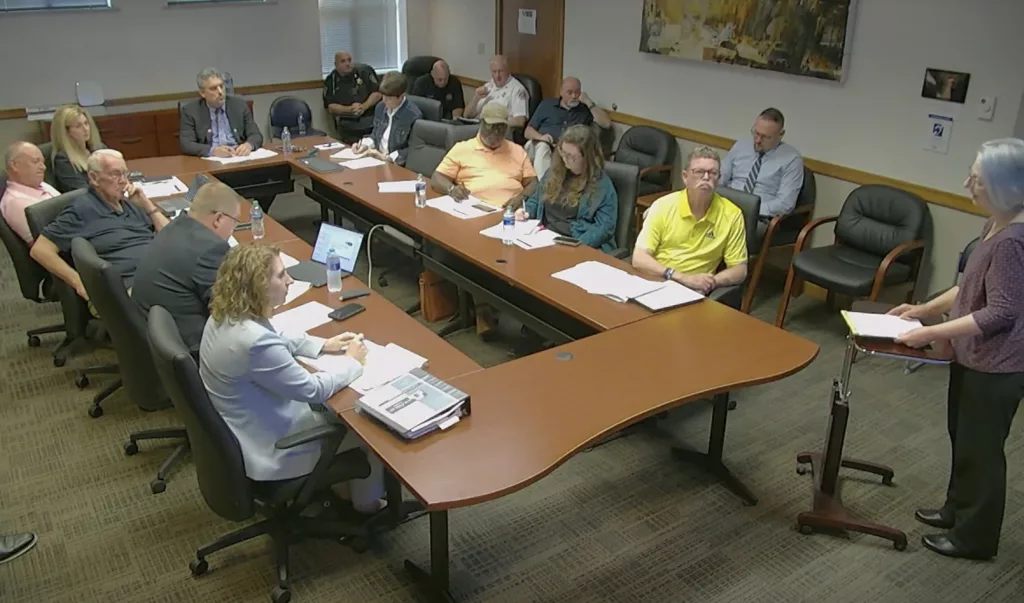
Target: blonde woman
(75, 136)
(255, 383)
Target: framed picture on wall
(945, 85)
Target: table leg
(463, 318)
(711, 461)
(435, 581)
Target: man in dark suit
(216, 124)
(178, 268)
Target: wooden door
(539, 55)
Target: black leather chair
(220, 468)
(750, 205)
(625, 178)
(418, 66)
(430, 108)
(879, 242)
(285, 112)
(533, 90)
(430, 141)
(654, 152)
(781, 232)
(127, 327)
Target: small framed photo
(945, 85)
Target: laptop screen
(346, 244)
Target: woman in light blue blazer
(258, 387)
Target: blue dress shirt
(779, 180)
(220, 127)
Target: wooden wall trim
(832, 170)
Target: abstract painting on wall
(801, 37)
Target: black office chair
(127, 327)
(418, 66)
(285, 112)
(46, 148)
(781, 232)
(654, 152)
(430, 108)
(625, 178)
(533, 91)
(750, 205)
(879, 242)
(430, 141)
(220, 467)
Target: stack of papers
(299, 320)
(365, 162)
(295, 290)
(528, 234)
(464, 210)
(232, 241)
(288, 260)
(329, 146)
(257, 154)
(415, 404)
(163, 188)
(878, 326)
(345, 153)
(397, 186)
(384, 363)
(524, 228)
(602, 279)
(670, 295)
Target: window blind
(366, 28)
(10, 6)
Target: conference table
(617, 364)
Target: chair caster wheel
(157, 486)
(806, 530)
(900, 545)
(732, 405)
(383, 282)
(95, 411)
(33, 341)
(801, 469)
(887, 481)
(131, 448)
(280, 595)
(59, 362)
(198, 567)
(82, 381)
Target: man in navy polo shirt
(553, 116)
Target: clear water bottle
(333, 271)
(421, 191)
(256, 217)
(286, 141)
(508, 226)
(302, 125)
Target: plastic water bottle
(508, 226)
(256, 217)
(421, 191)
(302, 125)
(333, 271)
(286, 141)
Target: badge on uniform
(359, 81)
(448, 96)
(710, 236)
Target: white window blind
(10, 6)
(366, 28)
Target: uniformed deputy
(350, 93)
(443, 87)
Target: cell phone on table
(346, 311)
(354, 294)
(569, 241)
(485, 208)
(243, 226)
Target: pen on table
(461, 213)
(523, 242)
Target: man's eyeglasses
(116, 175)
(712, 174)
(758, 136)
(229, 216)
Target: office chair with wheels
(534, 95)
(418, 66)
(654, 152)
(879, 242)
(127, 327)
(285, 112)
(625, 178)
(220, 467)
(430, 108)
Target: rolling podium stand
(827, 512)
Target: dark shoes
(935, 518)
(941, 544)
(15, 545)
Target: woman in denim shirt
(392, 122)
(576, 197)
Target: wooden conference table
(532, 414)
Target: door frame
(499, 5)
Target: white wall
(418, 27)
(463, 34)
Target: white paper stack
(295, 290)
(232, 241)
(670, 295)
(288, 260)
(257, 154)
(463, 210)
(299, 320)
(524, 228)
(346, 153)
(880, 326)
(163, 188)
(365, 162)
(602, 279)
(397, 186)
(384, 363)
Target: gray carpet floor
(621, 523)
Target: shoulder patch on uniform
(522, 94)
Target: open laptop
(174, 204)
(346, 243)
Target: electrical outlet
(986, 107)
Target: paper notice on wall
(940, 129)
(528, 21)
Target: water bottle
(421, 191)
(333, 271)
(256, 217)
(286, 141)
(302, 125)
(508, 226)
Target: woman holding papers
(986, 381)
(258, 387)
(576, 197)
(75, 136)
(392, 122)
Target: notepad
(295, 290)
(299, 320)
(601, 279)
(670, 295)
(163, 188)
(524, 228)
(878, 326)
(365, 162)
(346, 153)
(397, 186)
(464, 210)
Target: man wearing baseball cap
(488, 167)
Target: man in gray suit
(216, 124)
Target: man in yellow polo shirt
(489, 167)
(688, 234)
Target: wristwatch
(668, 273)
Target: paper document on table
(359, 164)
(463, 210)
(397, 186)
(295, 290)
(526, 227)
(346, 153)
(670, 295)
(602, 279)
(288, 260)
(536, 240)
(299, 320)
(878, 326)
(257, 154)
(163, 188)
(329, 146)
(232, 241)
(384, 363)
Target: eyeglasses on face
(712, 174)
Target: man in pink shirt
(25, 186)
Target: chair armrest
(655, 169)
(730, 295)
(320, 432)
(887, 261)
(776, 222)
(621, 253)
(806, 231)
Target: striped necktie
(752, 178)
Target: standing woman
(75, 136)
(986, 379)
